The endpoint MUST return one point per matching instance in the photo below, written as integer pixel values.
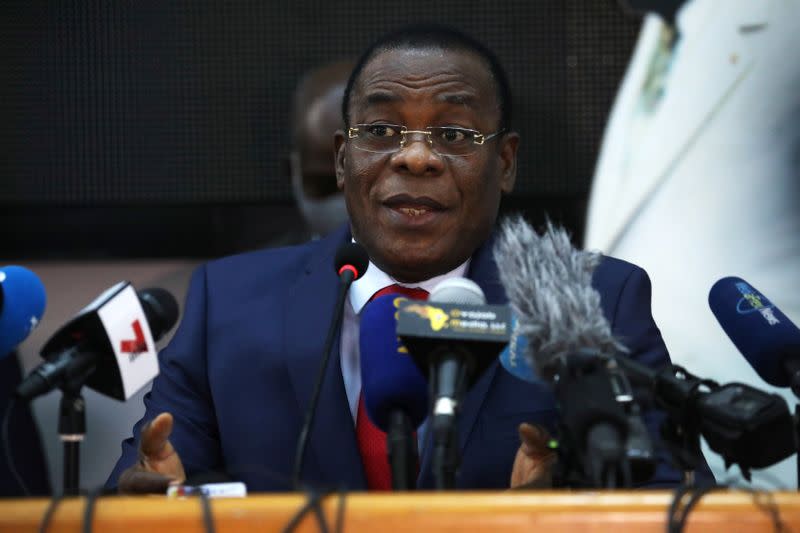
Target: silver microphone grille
(458, 291)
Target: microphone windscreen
(761, 332)
(22, 307)
(549, 286)
(354, 255)
(160, 309)
(390, 380)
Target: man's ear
(338, 153)
(508, 157)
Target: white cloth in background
(706, 183)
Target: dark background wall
(145, 128)
(139, 136)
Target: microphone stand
(302, 441)
(792, 367)
(71, 430)
(350, 263)
(72, 426)
(797, 437)
(402, 448)
(448, 377)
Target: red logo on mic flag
(137, 345)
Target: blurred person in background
(698, 176)
(316, 115)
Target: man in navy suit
(426, 156)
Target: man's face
(417, 213)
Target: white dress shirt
(360, 293)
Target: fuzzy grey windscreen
(185, 102)
(549, 287)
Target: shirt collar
(374, 279)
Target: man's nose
(417, 156)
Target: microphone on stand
(109, 346)
(452, 337)
(639, 446)
(350, 263)
(745, 425)
(548, 283)
(395, 391)
(763, 334)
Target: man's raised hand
(159, 464)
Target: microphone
(22, 304)
(639, 445)
(457, 363)
(514, 358)
(548, 283)
(761, 332)
(109, 345)
(745, 425)
(350, 263)
(395, 391)
(453, 337)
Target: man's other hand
(533, 465)
(159, 464)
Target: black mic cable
(350, 263)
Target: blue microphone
(514, 358)
(762, 333)
(22, 303)
(390, 380)
(395, 391)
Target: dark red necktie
(371, 440)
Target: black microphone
(548, 283)
(452, 337)
(350, 263)
(745, 425)
(639, 446)
(109, 345)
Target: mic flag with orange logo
(427, 327)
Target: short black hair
(429, 37)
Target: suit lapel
(332, 445)
(482, 271)
(609, 176)
(712, 60)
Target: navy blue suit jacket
(239, 373)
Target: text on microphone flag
(120, 316)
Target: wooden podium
(491, 512)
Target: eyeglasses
(444, 140)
